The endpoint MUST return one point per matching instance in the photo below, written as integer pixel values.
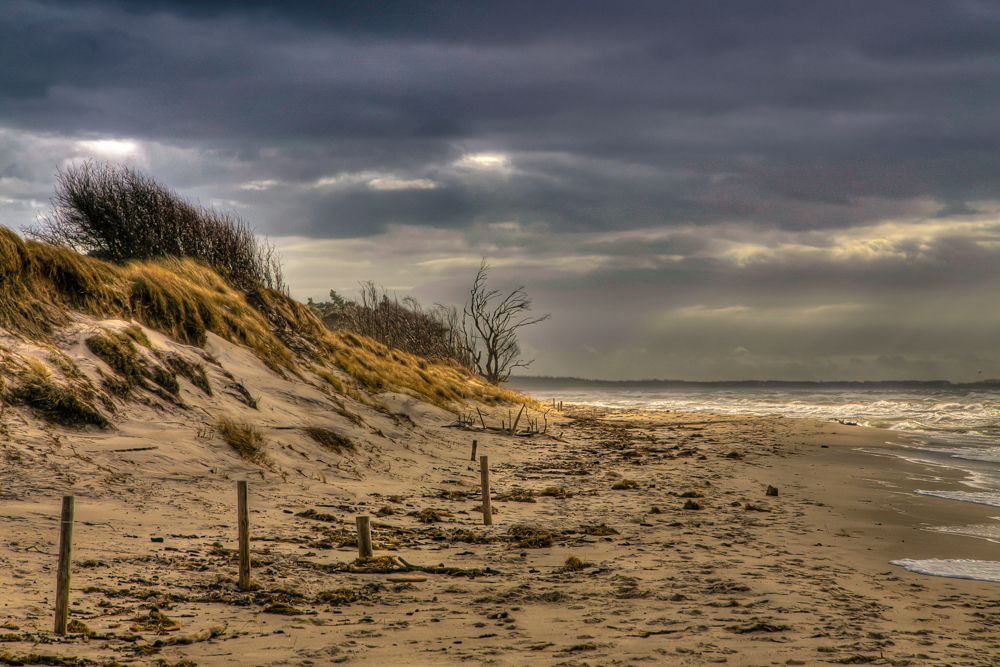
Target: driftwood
(513, 428)
(202, 635)
(405, 568)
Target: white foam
(980, 570)
(980, 497)
(989, 531)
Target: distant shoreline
(563, 382)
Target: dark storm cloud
(796, 102)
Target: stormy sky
(694, 190)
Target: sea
(954, 426)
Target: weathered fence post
(484, 472)
(513, 427)
(62, 577)
(243, 520)
(474, 445)
(365, 537)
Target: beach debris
(556, 492)
(759, 626)
(667, 631)
(469, 537)
(598, 530)
(430, 516)
(319, 516)
(733, 455)
(528, 537)
(750, 507)
(692, 494)
(77, 628)
(155, 621)
(727, 587)
(771, 491)
(479, 508)
(591, 646)
(574, 564)
(691, 505)
(282, 609)
(201, 636)
(654, 510)
(625, 485)
(338, 596)
(518, 496)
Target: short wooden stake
(474, 445)
(365, 537)
(243, 519)
(484, 472)
(62, 577)
(513, 427)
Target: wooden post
(484, 472)
(243, 519)
(474, 445)
(365, 537)
(560, 406)
(62, 577)
(513, 427)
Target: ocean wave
(962, 417)
(988, 531)
(980, 570)
(979, 497)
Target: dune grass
(52, 401)
(330, 439)
(186, 300)
(379, 368)
(193, 371)
(248, 441)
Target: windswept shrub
(120, 214)
(248, 440)
(432, 334)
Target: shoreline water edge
(618, 537)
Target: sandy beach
(618, 538)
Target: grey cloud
(644, 140)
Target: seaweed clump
(528, 537)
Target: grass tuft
(193, 371)
(53, 402)
(330, 439)
(248, 440)
(118, 352)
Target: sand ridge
(650, 539)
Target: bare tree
(490, 327)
